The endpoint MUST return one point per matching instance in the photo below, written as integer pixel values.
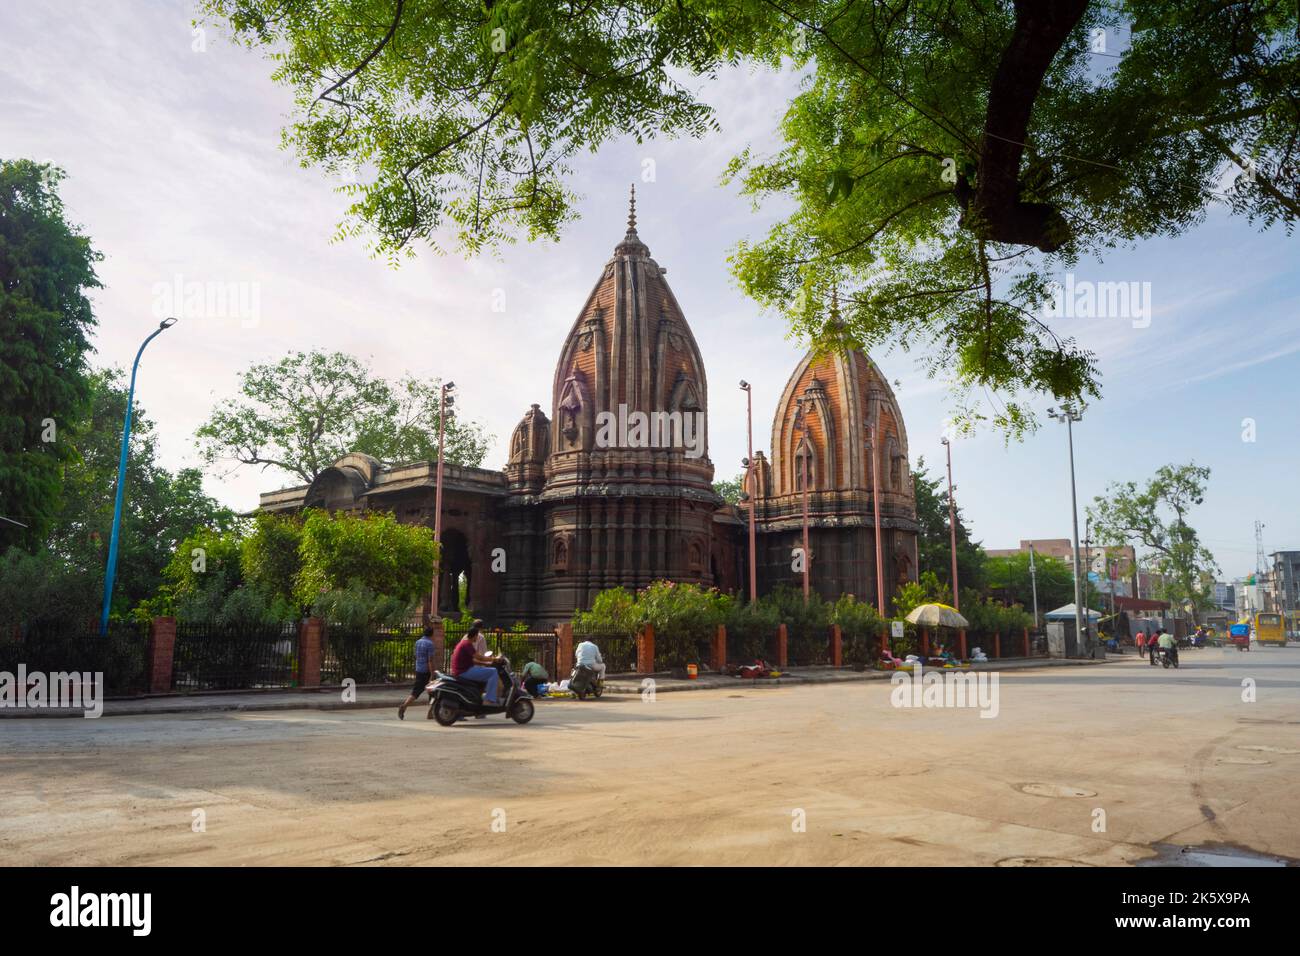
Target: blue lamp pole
(111, 570)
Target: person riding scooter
(1168, 646)
(468, 664)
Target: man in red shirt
(466, 662)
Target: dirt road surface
(1091, 765)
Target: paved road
(1155, 757)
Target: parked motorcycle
(584, 681)
(454, 698)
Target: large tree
(160, 507)
(46, 268)
(945, 158)
(304, 412)
(1155, 516)
(1008, 579)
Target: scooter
(455, 698)
(1166, 660)
(584, 681)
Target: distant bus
(1268, 629)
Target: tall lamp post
(110, 572)
(952, 543)
(750, 489)
(801, 426)
(1070, 415)
(445, 400)
(1033, 582)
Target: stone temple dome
(630, 346)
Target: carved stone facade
(835, 397)
(615, 488)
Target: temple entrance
(455, 565)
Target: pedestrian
(534, 676)
(423, 653)
(1142, 643)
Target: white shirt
(587, 654)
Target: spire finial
(631, 211)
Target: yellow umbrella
(937, 615)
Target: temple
(615, 487)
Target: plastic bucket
(692, 672)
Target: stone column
(438, 657)
(311, 646)
(159, 654)
(563, 649)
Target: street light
(750, 488)
(801, 426)
(110, 572)
(1070, 415)
(952, 544)
(445, 400)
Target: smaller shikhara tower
(616, 487)
(843, 396)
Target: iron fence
(807, 645)
(373, 654)
(210, 656)
(53, 647)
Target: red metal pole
(952, 541)
(806, 558)
(875, 500)
(437, 506)
(752, 487)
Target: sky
(171, 143)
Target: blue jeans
(484, 673)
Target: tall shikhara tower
(617, 512)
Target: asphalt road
(1093, 765)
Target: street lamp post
(952, 545)
(750, 488)
(1033, 582)
(445, 399)
(110, 572)
(801, 426)
(1070, 415)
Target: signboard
(896, 628)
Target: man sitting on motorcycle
(587, 654)
(468, 664)
(1169, 646)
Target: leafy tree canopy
(46, 269)
(943, 160)
(1154, 516)
(309, 409)
(933, 541)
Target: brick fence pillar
(160, 653)
(1026, 642)
(884, 639)
(438, 656)
(925, 643)
(837, 646)
(997, 644)
(563, 650)
(719, 662)
(782, 640)
(645, 650)
(311, 645)
(961, 644)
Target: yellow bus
(1269, 630)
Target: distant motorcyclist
(587, 654)
(1169, 646)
